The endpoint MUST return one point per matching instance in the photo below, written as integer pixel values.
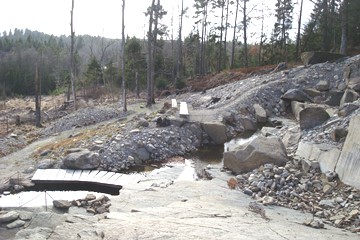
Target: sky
(103, 17)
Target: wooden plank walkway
(111, 179)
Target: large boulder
(319, 57)
(296, 95)
(346, 109)
(334, 98)
(259, 151)
(8, 216)
(348, 165)
(216, 131)
(349, 97)
(352, 74)
(82, 159)
(312, 116)
(260, 113)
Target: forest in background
(97, 60)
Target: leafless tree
(72, 57)
(123, 59)
(37, 98)
(299, 29)
(344, 23)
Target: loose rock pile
(320, 194)
(90, 203)
(18, 218)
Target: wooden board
(89, 176)
(183, 109)
(173, 103)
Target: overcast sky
(103, 17)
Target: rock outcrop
(348, 165)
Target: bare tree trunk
(325, 26)
(156, 20)
(149, 56)
(203, 41)
(299, 30)
(72, 62)
(179, 65)
(261, 37)
(37, 98)
(344, 24)
(246, 62)
(234, 36)
(137, 90)
(123, 59)
(225, 38)
(221, 37)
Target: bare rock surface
(185, 209)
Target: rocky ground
(153, 135)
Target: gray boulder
(352, 74)
(15, 224)
(296, 95)
(62, 204)
(83, 159)
(142, 123)
(334, 98)
(319, 57)
(338, 134)
(312, 116)
(260, 113)
(323, 86)
(349, 96)
(346, 109)
(143, 154)
(216, 131)
(259, 151)
(9, 216)
(46, 163)
(249, 124)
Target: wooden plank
(61, 175)
(84, 175)
(68, 175)
(125, 179)
(98, 176)
(94, 176)
(76, 175)
(50, 174)
(113, 178)
(173, 103)
(105, 178)
(183, 109)
(38, 175)
(91, 176)
(121, 180)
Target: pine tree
(284, 16)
